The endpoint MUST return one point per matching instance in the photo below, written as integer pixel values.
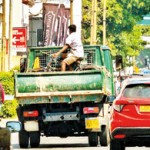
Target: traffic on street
(75, 74)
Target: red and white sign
(19, 37)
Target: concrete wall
(17, 13)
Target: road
(71, 143)
(56, 143)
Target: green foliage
(123, 34)
(8, 109)
(16, 68)
(7, 80)
(145, 30)
(132, 12)
(129, 43)
(1, 113)
(86, 21)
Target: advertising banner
(56, 18)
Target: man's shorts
(70, 60)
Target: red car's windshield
(137, 90)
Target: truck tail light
(118, 107)
(33, 113)
(90, 110)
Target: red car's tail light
(34, 113)
(120, 136)
(90, 110)
(118, 107)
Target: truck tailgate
(53, 87)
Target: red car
(130, 115)
(2, 93)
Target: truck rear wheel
(23, 139)
(34, 139)
(93, 139)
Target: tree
(86, 21)
(123, 34)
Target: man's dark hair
(72, 28)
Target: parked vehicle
(68, 103)
(130, 115)
(4, 138)
(2, 93)
(4, 132)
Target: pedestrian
(2, 93)
(73, 41)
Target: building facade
(16, 15)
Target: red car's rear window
(137, 90)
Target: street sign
(19, 37)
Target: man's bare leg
(63, 66)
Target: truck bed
(90, 84)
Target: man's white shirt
(74, 41)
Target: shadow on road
(63, 145)
(76, 145)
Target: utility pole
(3, 38)
(71, 11)
(104, 23)
(10, 34)
(1, 18)
(93, 23)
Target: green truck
(63, 104)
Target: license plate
(92, 124)
(144, 108)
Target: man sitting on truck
(73, 41)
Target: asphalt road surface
(71, 143)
